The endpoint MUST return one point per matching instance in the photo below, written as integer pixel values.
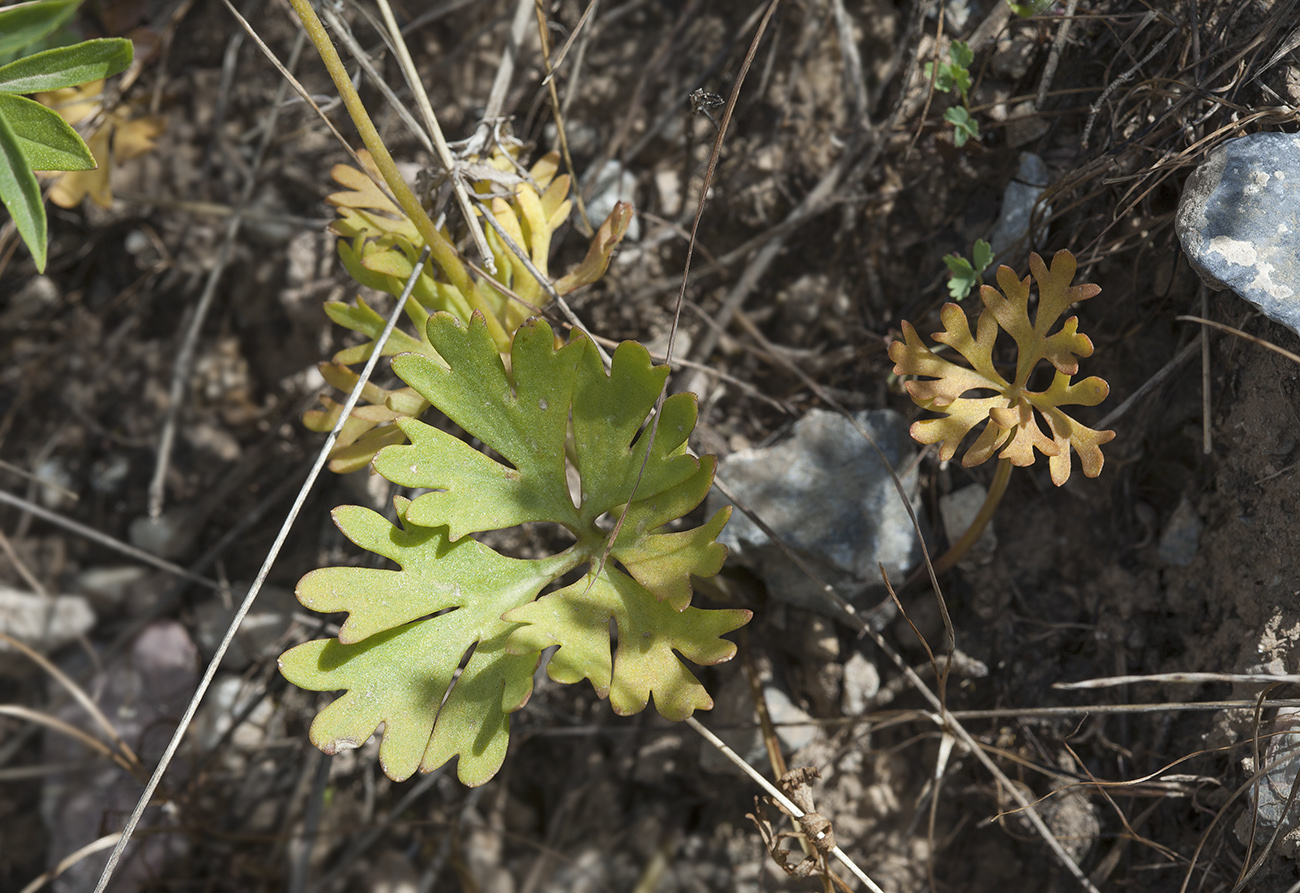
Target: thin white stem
(346, 37)
(262, 574)
(786, 803)
(1178, 679)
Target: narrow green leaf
(54, 69)
(47, 141)
(21, 194)
(25, 24)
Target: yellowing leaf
(1012, 430)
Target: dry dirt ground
(838, 193)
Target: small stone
(1283, 750)
(820, 640)
(227, 699)
(263, 626)
(108, 588)
(1013, 54)
(736, 722)
(668, 186)
(861, 685)
(826, 493)
(107, 475)
(1181, 537)
(42, 622)
(36, 298)
(1239, 222)
(58, 488)
(794, 727)
(958, 510)
(614, 184)
(1018, 202)
(169, 536)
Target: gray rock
(1239, 222)
(1273, 803)
(1018, 202)
(827, 495)
(1024, 125)
(614, 184)
(861, 685)
(1181, 536)
(958, 510)
(42, 622)
(257, 637)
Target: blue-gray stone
(1273, 803)
(1018, 202)
(1179, 542)
(1239, 222)
(827, 495)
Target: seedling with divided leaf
(965, 274)
(955, 75)
(408, 630)
(1011, 415)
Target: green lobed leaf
(27, 23)
(454, 599)
(526, 421)
(396, 666)
(47, 141)
(965, 275)
(62, 67)
(577, 618)
(964, 126)
(962, 276)
(21, 194)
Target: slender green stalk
(444, 253)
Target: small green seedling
(965, 275)
(32, 137)
(964, 127)
(954, 74)
(455, 599)
(1011, 415)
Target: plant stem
(958, 549)
(444, 253)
